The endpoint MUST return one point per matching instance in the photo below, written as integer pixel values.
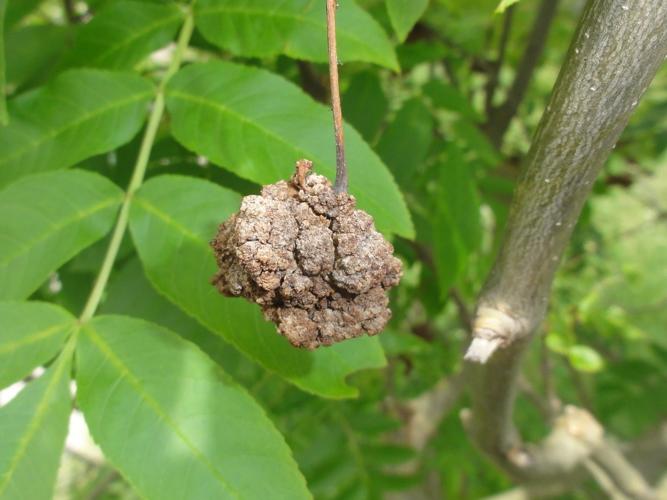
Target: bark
(616, 51)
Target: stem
(341, 167)
(137, 175)
(500, 117)
(616, 52)
(492, 83)
(4, 116)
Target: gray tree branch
(617, 49)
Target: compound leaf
(142, 388)
(46, 220)
(79, 114)
(172, 220)
(257, 125)
(33, 427)
(262, 28)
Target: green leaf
(123, 34)
(131, 294)
(32, 53)
(457, 229)
(585, 359)
(504, 5)
(406, 141)
(472, 137)
(4, 117)
(404, 14)
(264, 28)
(444, 95)
(143, 388)
(79, 114)
(17, 10)
(47, 219)
(172, 220)
(558, 343)
(257, 125)
(33, 427)
(32, 334)
(365, 104)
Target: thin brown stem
(341, 167)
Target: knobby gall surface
(311, 260)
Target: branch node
(493, 329)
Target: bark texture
(616, 51)
(311, 260)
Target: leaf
(558, 343)
(47, 219)
(444, 95)
(131, 294)
(406, 141)
(4, 117)
(172, 220)
(504, 5)
(472, 137)
(257, 125)
(32, 53)
(365, 104)
(264, 28)
(33, 427)
(457, 228)
(32, 334)
(79, 114)
(585, 359)
(404, 14)
(17, 10)
(141, 388)
(123, 34)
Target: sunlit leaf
(585, 359)
(257, 125)
(124, 33)
(32, 433)
(297, 28)
(78, 114)
(142, 388)
(31, 333)
(172, 220)
(45, 220)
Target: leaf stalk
(138, 173)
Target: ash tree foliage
(130, 129)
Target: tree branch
(341, 167)
(615, 54)
(622, 474)
(492, 82)
(500, 117)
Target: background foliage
(192, 395)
